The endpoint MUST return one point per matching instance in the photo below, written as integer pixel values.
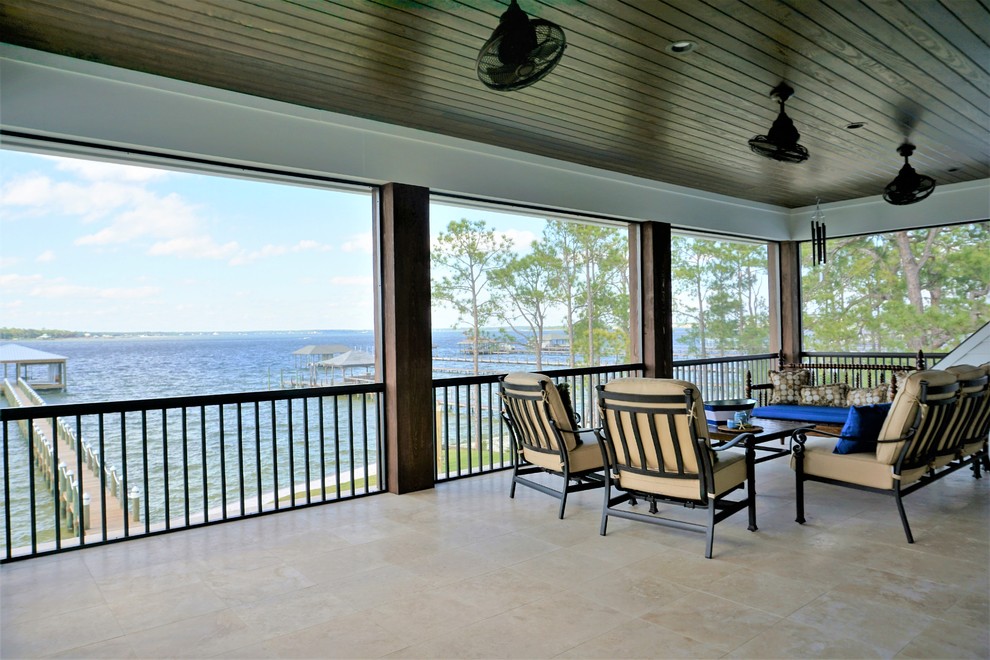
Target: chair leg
(752, 512)
(900, 510)
(512, 488)
(710, 532)
(607, 490)
(563, 502)
(799, 490)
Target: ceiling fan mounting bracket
(781, 93)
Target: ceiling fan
(781, 142)
(520, 51)
(909, 186)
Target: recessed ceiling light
(681, 47)
(852, 126)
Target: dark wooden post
(406, 336)
(790, 301)
(658, 333)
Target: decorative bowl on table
(720, 411)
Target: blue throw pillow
(862, 428)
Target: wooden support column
(658, 333)
(406, 336)
(790, 300)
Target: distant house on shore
(555, 341)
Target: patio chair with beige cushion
(969, 430)
(907, 447)
(546, 438)
(656, 445)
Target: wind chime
(818, 253)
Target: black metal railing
(84, 474)
(723, 377)
(469, 436)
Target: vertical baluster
(223, 463)
(364, 442)
(202, 458)
(257, 450)
(350, 441)
(292, 455)
(185, 465)
(275, 456)
(309, 491)
(323, 452)
(168, 517)
(145, 476)
(240, 457)
(336, 443)
(56, 492)
(6, 491)
(123, 471)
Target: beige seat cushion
(904, 410)
(588, 456)
(730, 471)
(861, 469)
(557, 411)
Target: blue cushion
(810, 414)
(862, 429)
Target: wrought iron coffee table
(771, 429)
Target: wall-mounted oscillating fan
(520, 51)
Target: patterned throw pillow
(824, 395)
(867, 396)
(787, 385)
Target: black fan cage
(505, 73)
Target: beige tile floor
(462, 571)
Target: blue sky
(100, 247)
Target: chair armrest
(595, 432)
(800, 436)
(762, 386)
(747, 438)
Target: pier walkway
(20, 394)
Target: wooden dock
(19, 394)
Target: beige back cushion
(904, 410)
(659, 386)
(968, 415)
(557, 411)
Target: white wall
(50, 95)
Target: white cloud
(270, 250)
(358, 243)
(45, 257)
(9, 262)
(194, 247)
(78, 292)
(151, 216)
(521, 238)
(14, 281)
(99, 171)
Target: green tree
(526, 284)
(561, 241)
(468, 252)
(924, 289)
(720, 296)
